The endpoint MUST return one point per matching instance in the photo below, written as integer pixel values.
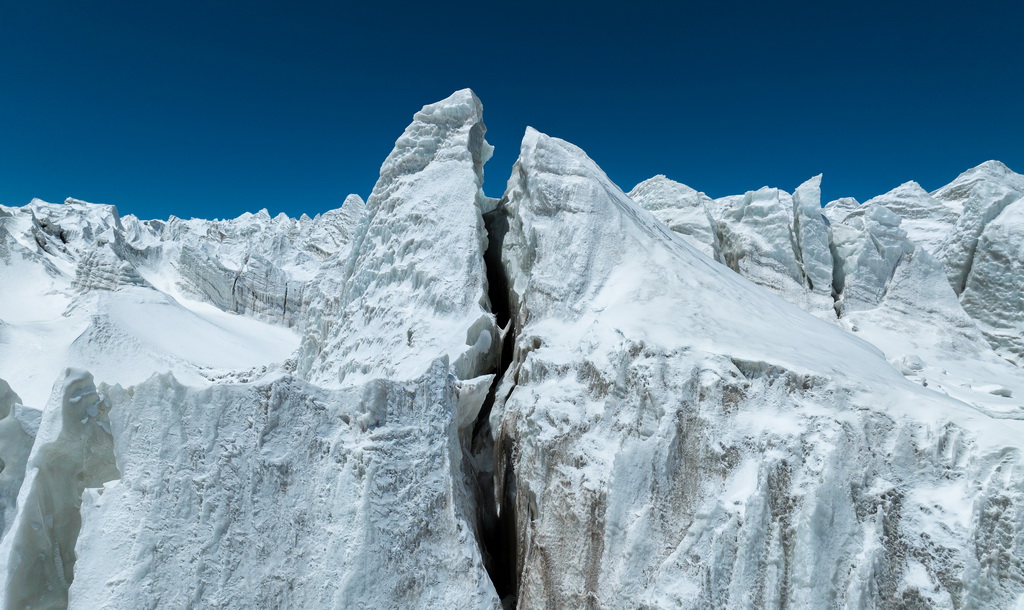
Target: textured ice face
(869, 244)
(777, 240)
(414, 285)
(836, 210)
(16, 438)
(882, 287)
(813, 237)
(981, 258)
(682, 209)
(993, 292)
(73, 450)
(281, 493)
(982, 193)
(926, 220)
(653, 467)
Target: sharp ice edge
(437, 399)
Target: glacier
(569, 396)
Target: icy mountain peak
(979, 195)
(909, 188)
(926, 220)
(813, 237)
(837, 209)
(810, 185)
(982, 179)
(807, 196)
(683, 209)
(911, 198)
(352, 211)
(353, 200)
(990, 169)
(558, 190)
(660, 192)
(433, 127)
(421, 246)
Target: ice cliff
(566, 397)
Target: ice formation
(568, 397)
(678, 438)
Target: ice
(272, 494)
(16, 438)
(869, 244)
(837, 210)
(673, 450)
(565, 397)
(72, 451)
(414, 286)
(682, 209)
(238, 482)
(926, 220)
(994, 291)
(775, 239)
(982, 193)
(886, 282)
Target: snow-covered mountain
(568, 397)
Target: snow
(813, 235)
(837, 210)
(887, 264)
(413, 287)
(982, 193)
(230, 467)
(992, 294)
(926, 220)
(200, 334)
(693, 380)
(744, 402)
(681, 208)
(780, 241)
(152, 332)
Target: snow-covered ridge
(886, 259)
(568, 397)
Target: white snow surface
(745, 402)
(84, 288)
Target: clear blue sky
(214, 108)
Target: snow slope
(85, 288)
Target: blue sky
(214, 108)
